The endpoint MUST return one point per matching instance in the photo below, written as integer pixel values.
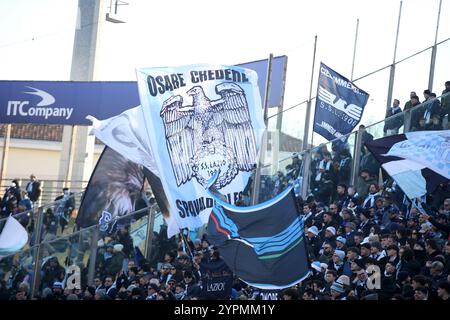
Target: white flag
(13, 237)
(126, 135)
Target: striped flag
(261, 244)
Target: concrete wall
(39, 157)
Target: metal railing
(50, 188)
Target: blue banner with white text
(64, 102)
(339, 104)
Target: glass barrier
(160, 244)
(331, 164)
(59, 218)
(280, 167)
(442, 66)
(411, 75)
(376, 85)
(17, 268)
(60, 255)
(293, 123)
(114, 244)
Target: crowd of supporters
(366, 241)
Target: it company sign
(42, 109)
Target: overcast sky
(37, 38)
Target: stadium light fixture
(112, 15)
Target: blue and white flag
(200, 120)
(339, 104)
(418, 161)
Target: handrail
(42, 207)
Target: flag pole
(308, 105)
(267, 89)
(354, 48)
(433, 51)
(186, 244)
(392, 73)
(257, 176)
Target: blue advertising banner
(339, 104)
(64, 102)
(69, 102)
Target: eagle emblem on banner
(209, 136)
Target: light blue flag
(201, 119)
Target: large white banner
(200, 120)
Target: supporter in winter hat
(57, 285)
(332, 230)
(167, 266)
(350, 226)
(154, 281)
(100, 243)
(338, 287)
(340, 254)
(341, 240)
(118, 247)
(316, 266)
(425, 227)
(344, 280)
(131, 287)
(313, 230)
